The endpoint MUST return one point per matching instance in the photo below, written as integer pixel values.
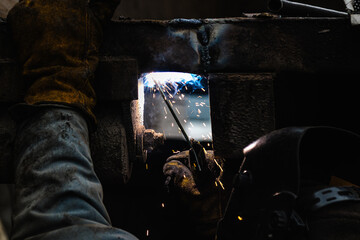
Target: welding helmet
(289, 176)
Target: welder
(296, 183)
(57, 193)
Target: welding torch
(168, 104)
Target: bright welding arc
(178, 123)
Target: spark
(216, 162)
(221, 184)
(167, 87)
(177, 110)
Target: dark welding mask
(287, 176)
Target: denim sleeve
(57, 193)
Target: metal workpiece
(112, 144)
(255, 44)
(152, 139)
(146, 141)
(242, 109)
(252, 43)
(296, 9)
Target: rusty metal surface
(113, 144)
(237, 44)
(242, 110)
(246, 44)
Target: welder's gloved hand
(57, 42)
(182, 171)
(195, 195)
(181, 175)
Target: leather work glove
(182, 171)
(195, 197)
(57, 44)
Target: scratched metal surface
(252, 44)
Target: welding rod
(296, 9)
(179, 124)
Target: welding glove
(182, 172)
(196, 195)
(57, 44)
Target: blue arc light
(177, 80)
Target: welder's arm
(57, 193)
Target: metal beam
(247, 44)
